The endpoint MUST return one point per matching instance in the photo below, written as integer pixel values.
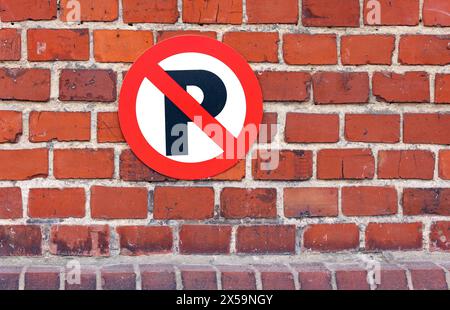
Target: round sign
(190, 107)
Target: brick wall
(363, 130)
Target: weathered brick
(406, 164)
(424, 50)
(372, 128)
(20, 240)
(10, 203)
(239, 203)
(367, 49)
(401, 88)
(351, 277)
(254, 46)
(212, 11)
(83, 163)
(190, 203)
(330, 13)
(205, 239)
(442, 88)
(276, 277)
(10, 126)
(108, 128)
(42, 278)
(444, 164)
(198, 277)
(282, 165)
(9, 278)
(22, 10)
(88, 85)
(272, 11)
(285, 86)
(35, 81)
(440, 236)
(23, 164)
(427, 276)
(341, 87)
(313, 276)
(121, 45)
(369, 201)
(435, 13)
(426, 128)
(331, 237)
(393, 12)
(10, 43)
(77, 240)
(266, 239)
(393, 236)
(310, 49)
(90, 11)
(56, 203)
(311, 128)
(144, 240)
(421, 201)
(118, 277)
(335, 164)
(307, 202)
(58, 44)
(59, 126)
(150, 11)
(119, 202)
(132, 169)
(237, 277)
(158, 277)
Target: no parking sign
(190, 107)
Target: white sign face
(151, 106)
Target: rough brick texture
(357, 162)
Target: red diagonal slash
(191, 108)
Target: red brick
(392, 277)
(118, 277)
(424, 50)
(268, 128)
(9, 278)
(23, 164)
(394, 12)
(367, 49)
(42, 278)
(205, 239)
(313, 277)
(10, 126)
(198, 278)
(393, 236)
(341, 87)
(440, 236)
(420, 201)
(119, 202)
(90, 11)
(20, 240)
(56, 203)
(143, 240)
(88, 85)
(80, 240)
(150, 11)
(158, 277)
(254, 46)
(310, 49)
(372, 128)
(436, 13)
(303, 202)
(167, 34)
(212, 11)
(60, 126)
(188, 203)
(88, 279)
(311, 128)
(121, 45)
(10, 203)
(444, 164)
(237, 278)
(351, 278)
(10, 44)
(276, 277)
(35, 81)
(272, 11)
(22, 10)
(235, 173)
(108, 128)
(426, 128)
(132, 169)
(331, 237)
(406, 164)
(282, 165)
(442, 88)
(83, 163)
(239, 203)
(427, 276)
(369, 201)
(335, 164)
(266, 239)
(401, 88)
(330, 13)
(58, 44)
(285, 86)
